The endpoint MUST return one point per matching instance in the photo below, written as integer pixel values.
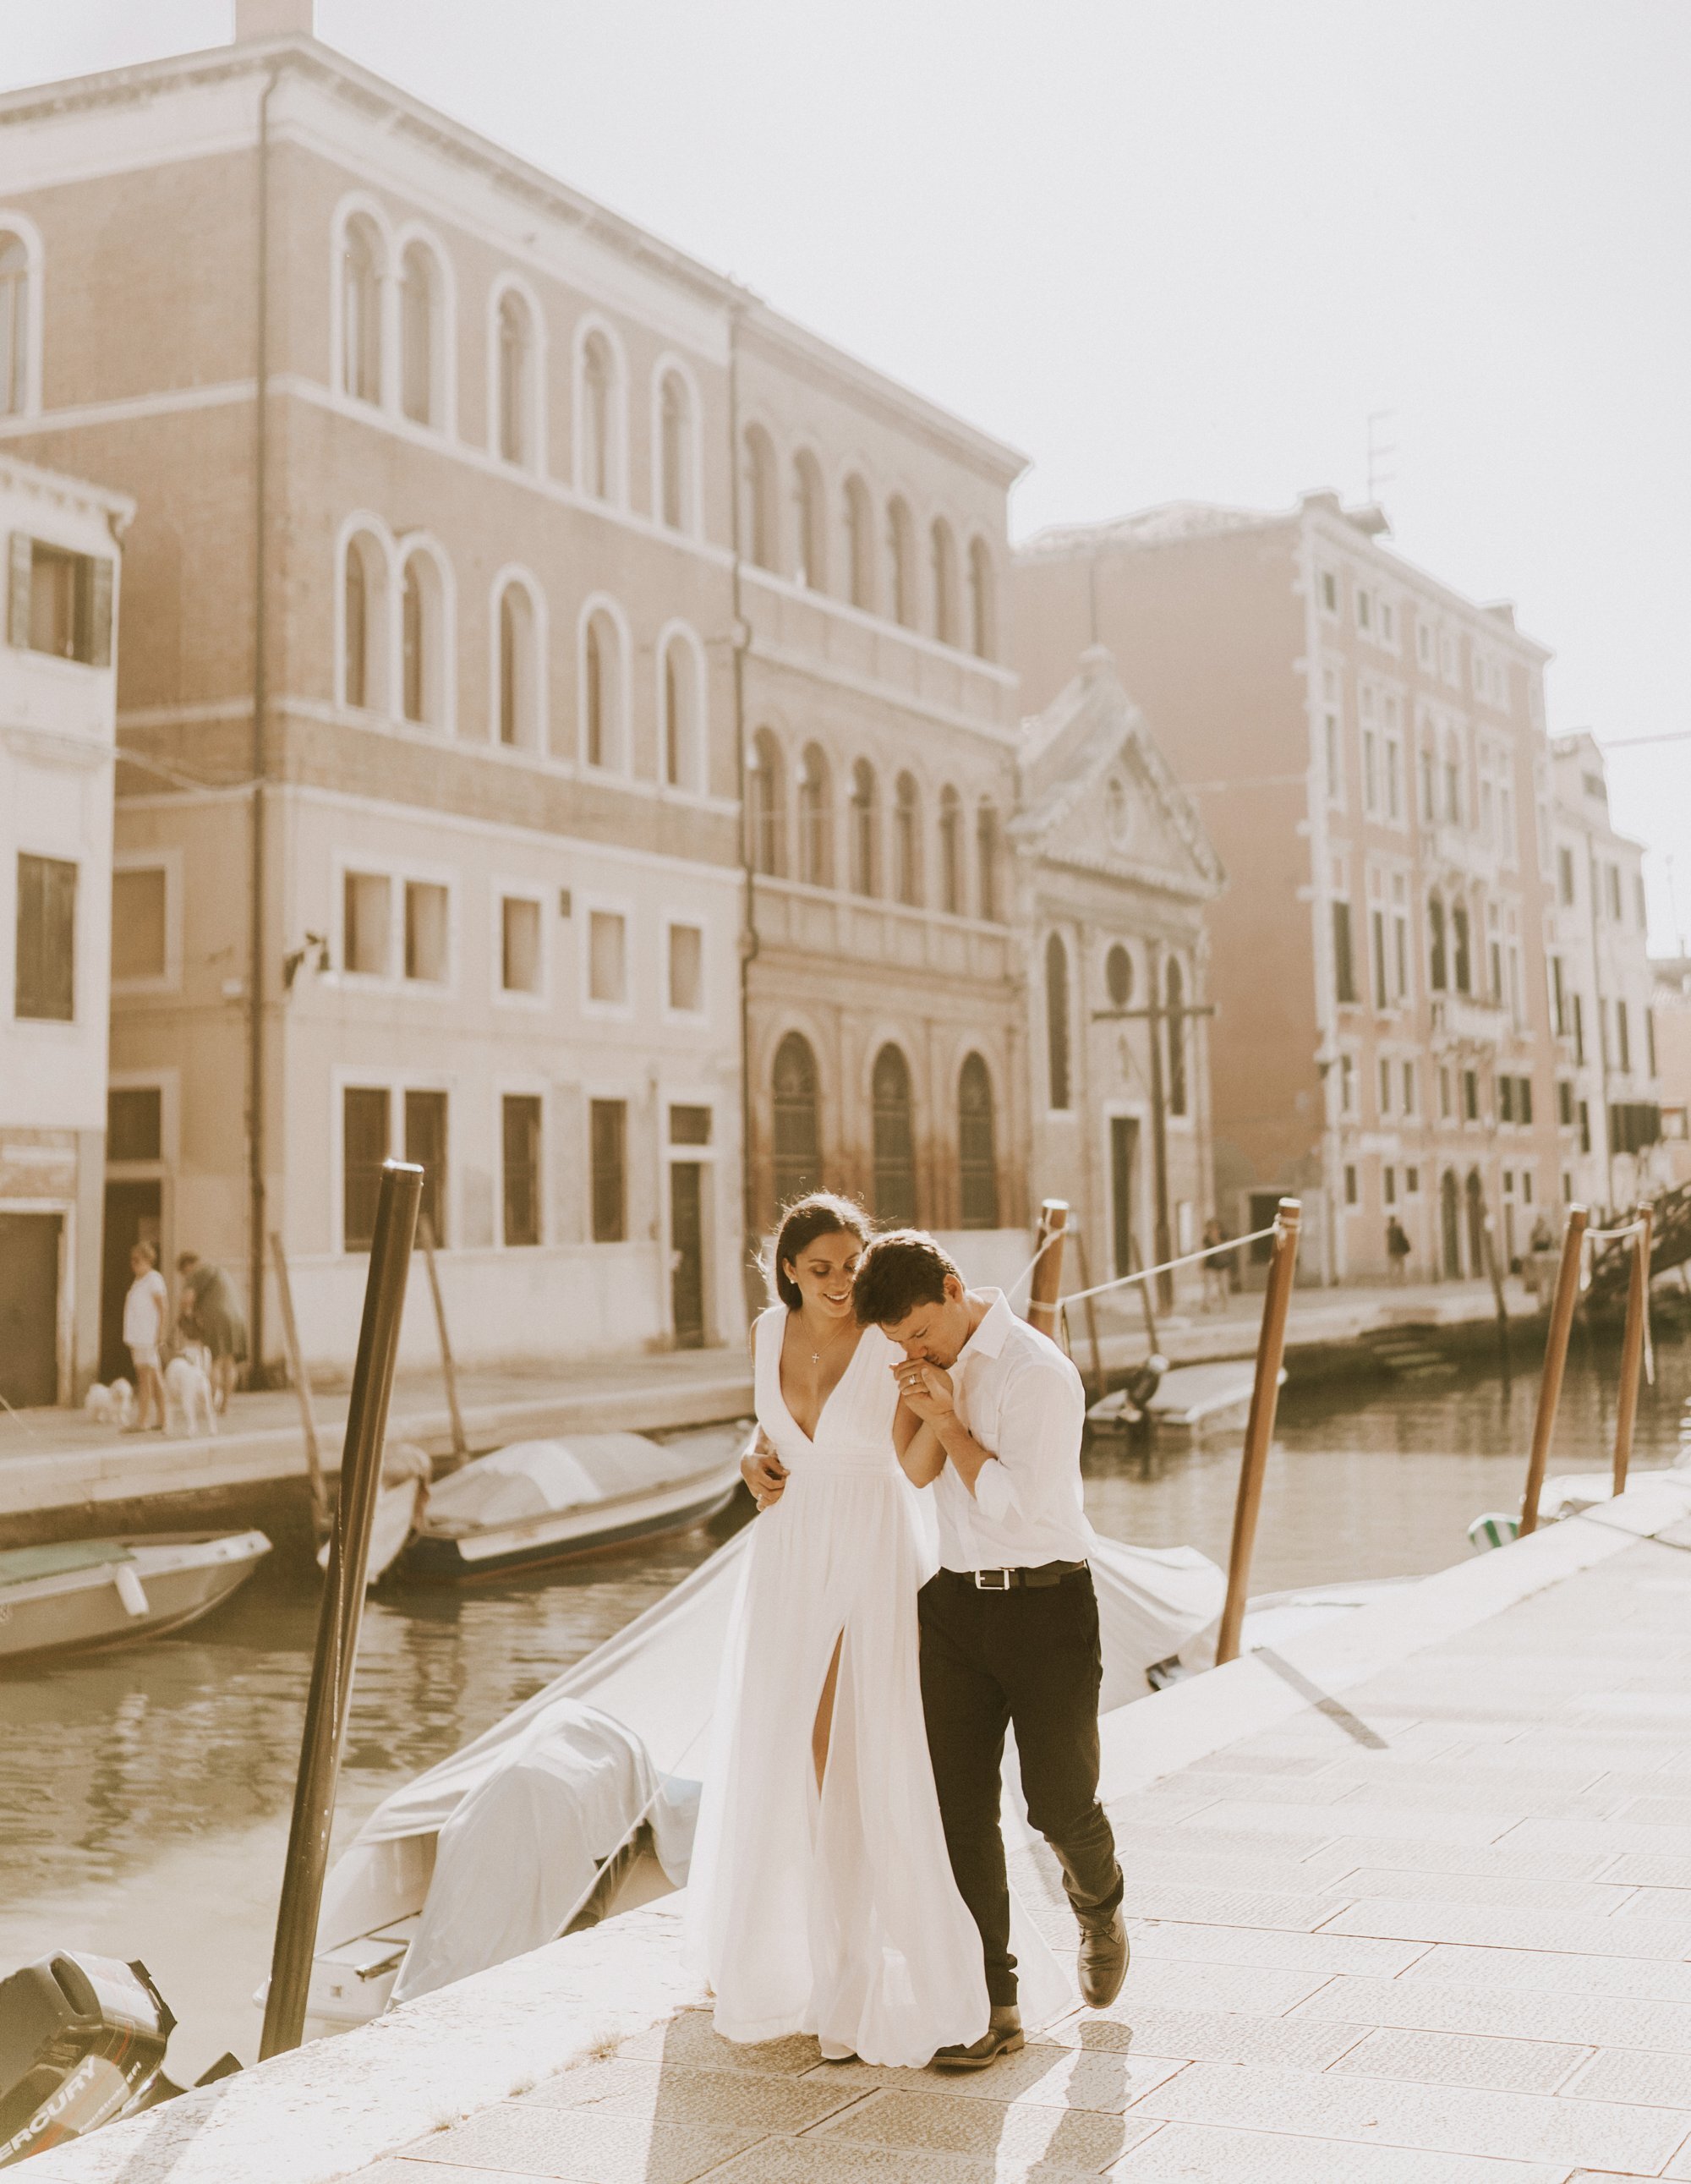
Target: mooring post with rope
(1264, 1397)
(342, 1611)
(1565, 1297)
(1633, 1345)
(1048, 1268)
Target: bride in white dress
(820, 1898)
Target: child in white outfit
(145, 1312)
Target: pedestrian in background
(1398, 1250)
(1218, 1273)
(145, 1311)
(210, 1311)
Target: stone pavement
(1436, 1931)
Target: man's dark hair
(898, 1271)
(820, 1214)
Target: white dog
(187, 1398)
(111, 1407)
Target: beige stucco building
(1367, 749)
(58, 686)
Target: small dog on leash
(187, 1395)
(111, 1407)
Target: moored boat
(541, 1502)
(79, 1595)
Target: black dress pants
(1029, 1657)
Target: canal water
(144, 1796)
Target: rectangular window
(1470, 1096)
(1385, 1088)
(1365, 615)
(1639, 905)
(520, 1133)
(1445, 1109)
(364, 1148)
(1400, 956)
(1412, 1182)
(1343, 965)
(686, 969)
(1423, 643)
(1613, 875)
(60, 603)
(425, 932)
(138, 936)
(1347, 1085)
(1370, 772)
(1564, 1103)
(1565, 875)
(689, 1126)
(1650, 1041)
(45, 991)
(1579, 1030)
(1394, 778)
(1558, 1003)
(1388, 622)
(1526, 1185)
(135, 1123)
(367, 918)
(1411, 1093)
(607, 957)
(1623, 1034)
(1429, 786)
(1585, 1126)
(1505, 1098)
(608, 1123)
(1389, 1178)
(519, 944)
(1329, 591)
(1377, 926)
(1523, 1100)
(1350, 1191)
(1334, 759)
(425, 1143)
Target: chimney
(258, 20)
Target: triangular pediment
(1097, 796)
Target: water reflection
(144, 1796)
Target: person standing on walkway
(1398, 1250)
(210, 1311)
(145, 1311)
(1009, 1623)
(1218, 1271)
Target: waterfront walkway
(1412, 1905)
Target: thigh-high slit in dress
(832, 1913)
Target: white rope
(1614, 1235)
(1026, 1272)
(1168, 1265)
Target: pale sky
(1172, 249)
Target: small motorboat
(77, 1594)
(400, 1506)
(547, 1500)
(1180, 1398)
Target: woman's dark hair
(898, 1271)
(818, 1213)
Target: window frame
(169, 862)
(501, 889)
(587, 906)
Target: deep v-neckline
(780, 1392)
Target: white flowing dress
(835, 1914)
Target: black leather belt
(1008, 1581)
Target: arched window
(517, 669)
(598, 398)
(977, 1162)
(951, 850)
(763, 524)
(680, 693)
(765, 799)
(1118, 977)
(603, 696)
(815, 817)
(361, 271)
(986, 857)
(942, 552)
(810, 509)
(901, 569)
(422, 312)
(1175, 981)
(1057, 1022)
(798, 1135)
(422, 641)
(865, 819)
(1437, 963)
(895, 1140)
(516, 379)
(859, 544)
(982, 601)
(14, 325)
(674, 453)
(363, 621)
(907, 841)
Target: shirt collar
(988, 1338)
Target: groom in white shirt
(1009, 1622)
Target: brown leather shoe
(1002, 2036)
(1104, 1958)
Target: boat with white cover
(542, 1501)
(582, 1801)
(78, 1595)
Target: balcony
(1467, 1020)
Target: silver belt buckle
(983, 1580)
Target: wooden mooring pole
(1264, 1397)
(1047, 1284)
(308, 1415)
(342, 1611)
(1633, 1345)
(460, 1444)
(1100, 1386)
(1565, 1297)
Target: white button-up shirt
(1022, 1398)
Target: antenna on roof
(1380, 451)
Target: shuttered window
(46, 961)
(609, 1128)
(59, 602)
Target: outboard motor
(81, 2038)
